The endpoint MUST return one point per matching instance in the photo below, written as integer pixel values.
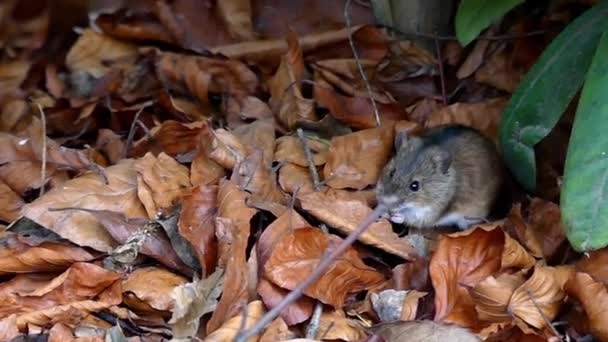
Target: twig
(441, 74)
(359, 66)
(132, 132)
(311, 162)
(508, 36)
(44, 150)
(244, 314)
(313, 326)
(324, 263)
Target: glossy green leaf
(546, 91)
(473, 16)
(584, 197)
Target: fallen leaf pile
(172, 169)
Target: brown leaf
(295, 313)
(89, 191)
(484, 116)
(275, 232)
(593, 296)
(411, 275)
(410, 305)
(258, 135)
(227, 149)
(170, 137)
(356, 160)
(232, 326)
(595, 265)
(343, 74)
(10, 204)
(294, 178)
(299, 252)
(427, 331)
(334, 325)
(153, 286)
(232, 231)
(345, 215)
(18, 257)
(357, 112)
(277, 331)
(538, 300)
(205, 171)
(12, 74)
(290, 149)
(492, 296)
(93, 51)
(197, 224)
(255, 177)
(241, 108)
(154, 242)
(515, 255)
(238, 19)
(161, 182)
(459, 262)
(111, 144)
(198, 75)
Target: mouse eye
(414, 186)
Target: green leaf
(473, 16)
(546, 91)
(584, 197)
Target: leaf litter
(154, 185)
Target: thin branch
(542, 314)
(508, 36)
(441, 74)
(44, 150)
(326, 261)
(359, 66)
(311, 162)
(315, 320)
(132, 132)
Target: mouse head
(420, 175)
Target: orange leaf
(10, 204)
(255, 177)
(170, 137)
(492, 296)
(295, 313)
(153, 286)
(334, 325)
(277, 331)
(299, 252)
(594, 298)
(461, 262)
(294, 178)
(290, 149)
(233, 325)
(355, 160)
(515, 255)
(537, 300)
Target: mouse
(450, 175)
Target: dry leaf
(411, 275)
(89, 191)
(299, 252)
(515, 255)
(226, 149)
(594, 298)
(277, 331)
(356, 160)
(171, 137)
(255, 177)
(10, 204)
(492, 296)
(258, 135)
(197, 224)
(12, 74)
(346, 214)
(537, 300)
(334, 325)
(153, 286)
(290, 149)
(423, 331)
(484, 116)
(295, 313)
(229, 330)
(410, 305)
(161, 182)
(293, 178)
(460, 262)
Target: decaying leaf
(10, 203)
(594, 297)
(298, 253)
(423, 331)
(334, 325)
(233, 326)
(492, 296)
(153, 286)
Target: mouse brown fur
(450, 175)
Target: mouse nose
(389, 200)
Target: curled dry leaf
(199, 76)
(10, 204)
(255, 177)
(18, 257)
(8, 328)
(514, 255)
(259, 134)
(205, 171)
(299, 252)
(295, 313)
(357, 112)
(484, 116)
(240, 108)
(346, 214)
(226, 149)
(294, 178)
(537, 301)
(411, 275)
(492, 296)
(334, 325)
(171, 137)
(111, 144)
(460, 262)
(70, 314)
(343, 74)
(93, 51)
(229, 330)
(388, 304)
(410, 305)
(89, 191)
(355, 160)
(290, 149)
(545, 226)
(12, 74)
(593, 296)
(197, 224)
(161, 182)
(153, 286)
(286, 99)
(595, 265)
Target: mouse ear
(442, 160)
